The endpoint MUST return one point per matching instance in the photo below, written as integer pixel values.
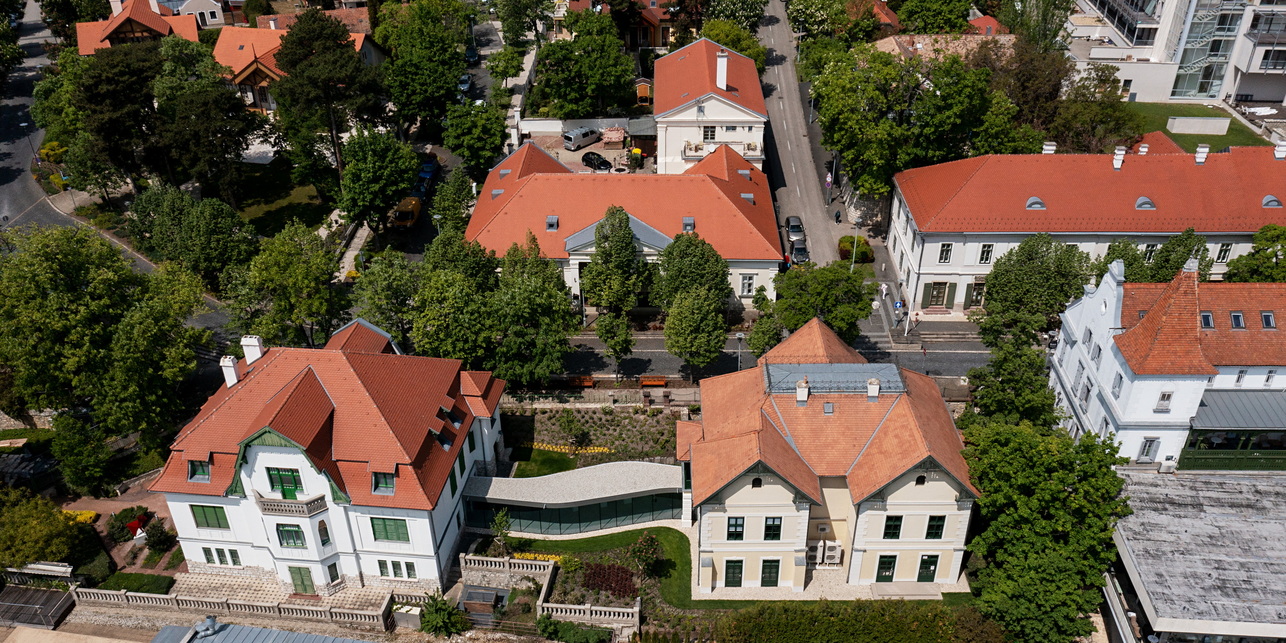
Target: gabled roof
(748, 420)
(354, 408)
(92, 36)
(987, 25)
(528, 187)
(239, 48)
(1158, 142)
(1169, 339)
(1083, 193)
(357, 20)
(688, 74)
(362, 336)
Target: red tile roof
(1083, 193)
(357, 20)
(530, 185)
(1158, 143)
(987, 25)
(1169, 339)
(870, 443)
(936, 46)
(239, 47)
(688, 74)
(92, 36)
(360, 335)
(353, 408)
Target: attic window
(551, 223)
(496, 193)
(756, 483)
(451, 417)
(746, 173)
(1144, 203)
(198, 471)
(748, 197)
(828, 408)
(1034, 203)
(920, 480)
(1271, 201)
(240, 47)
(689, 224)
(504, 173)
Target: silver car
(794, 229)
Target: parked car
(580, 137)
(406, 213)
(421, 189)
(466, 83)
(430, 170)
(471, 55)
(798, 252)
(596, 162)
(794, 229)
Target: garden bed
(611, 434)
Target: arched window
(920, 480)
(323, 533)
(1271, 201)
(757, 483)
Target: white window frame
(1241, 377)
(986, 253)
(944, 252)
(1268, 378)
(1117, 382)
(1163, 402)
(1225, 250)
(747, 285)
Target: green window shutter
(397, 569)
(377, 529)
(951, 295)
(390, 529)
(928, 292)
(451, 479)
(968, 295)
(207, 517)
(223, 556)
(399, 531)
(471, 442)
(459, 461)
(209, 555)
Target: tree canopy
(934, 16)
(205, 236)
(585, 77)
(833, 293)
(1029, 286)
(385, 291)
(32, 529)
(1266, 261)
(695, 329)
(738, 38)
(743, 13)
(690, 263)
(381, 170)
(426, 41)
(476, 133)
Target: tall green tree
(1040, 22)
(588, 22)
(1000, 132)
(817, 18)
(186, 67)
(475, 133)
(737, 38)
(1029, 286)
(1266, 261)
(205, 236)
(1175, 252)
(115, 99)
(426, 41)
(1092, 118)
(833, 293)
(613, 329)
(80, 446)
(533, 317)
(381, 170)
(90, 168)
(450, 318)
(690, 263)
(506, 63)
(745, 13)
(616, 273)
(450, 252)
(584, 77)
(207, 132)
(286, 295)
(385, 291)
(520, 17)
(695, 328)
(54, 102)
(32, 529)
(1031, 78)
(450, 211)
(1136, 269)
(1013, 387)
(1049, 505)
(934, 16)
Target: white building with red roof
(331, 468)
(724, 199)
(1184, 372)
(134, 21)
(251, 55)
(707, 96)
(949, 222)
(815, 464)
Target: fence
(593, 614)
(485, 571)
(379, 619)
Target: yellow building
(816, 462)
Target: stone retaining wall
(375, 620)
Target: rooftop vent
(1279, 150)
(504, 173)
(1143, 149)
(828, 408)
(1049, 147)
(750, 198)
(1271, 201)
(1203, 150)
(206, 629)
(1144, 203)
(551, 223)
(1118, 157)
(496, 193)
(689, 224)
(801, 392)
(1034, 203)
(745, 173)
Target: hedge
(144, 583)
(857, 622)
(96, 571)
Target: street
(21, 199)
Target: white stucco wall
(733, 125)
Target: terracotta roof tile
(1158, 143)
(239, 47)
(688, 73)
(987, 25)
(1082, 193)
(92, 36)
(357, 20)
(1167, 341)
(813, 343)
(360, 336)
(529, 186)
(939, 45)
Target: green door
(286, 481)
(302, 579)
(769, 572)
(928, 569)
(732, 573)
(884, 570)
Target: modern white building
(331, 468)
(815, 466)
(707, 96)
(724, 199)
(1189, 49)
(949, 222)
(1184, 372)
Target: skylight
(1144, 203)
(1034, 203)
(1271, 201)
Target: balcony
(749, 150)
(298, 508)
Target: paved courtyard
(260, 590)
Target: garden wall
(505, 573)
(379, 619)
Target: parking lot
(554, 145)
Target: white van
(580, 137)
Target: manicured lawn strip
(958, 599)
(543, 463)
(176, 558)
(145, 583)
(271, 200)
(1155, 116)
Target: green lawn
(540, 462)
(1155, 116)
(271, 200)
(146, 583)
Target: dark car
(596, 162)
(798, 252)
(471, 55)
(430, 171)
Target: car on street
(465, 83)
(406, 213)
(471, 55)
(596, 162)
(798, 252)
(794, 229)
(430, 170)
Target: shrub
(613, 579)
(145, 583)
(864, 252)
(176, 559)
(82, 517)
(117, 525)
(570, 564)
(52, 151)
(96, 570)
(153, 558)
(440, 618)
(131, 556)
(570, 632)
(855, 621)
(160, 539)
(645, 553)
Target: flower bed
(614, 434)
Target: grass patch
(176, 559)
(145, 583)
(542, 463)
(271, 199)
(958, 599)
(1155, 116)
(38, 440)
(153, 558)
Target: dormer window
(1271, 201)
(551, 224)
(1144, 203)
(383, 483)
(1268, 319)
(451, 417)
(198, 471)
(504, 173)
(1034, 203)
(1238, 320)
(689, 224)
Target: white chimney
(721, 69)
(873, 389)
(1049, 147)
(252, 345)
(801, 392)
(1203, 150)
(1279, 150)
(1143, 149)
(1118, 158)
(116, 7)
(272, 23)
(231, 370)
(155, 7)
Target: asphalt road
(21, 199)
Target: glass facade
(1134, 19)
(1204, 56)
(1239, 450)
(579, 519)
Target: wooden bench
(583, 381)
(652, 380)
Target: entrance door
(769, 573)
(732, 573)
(928, 569)
(302, 579)
(884, 570)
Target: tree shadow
(774, 58)
(635, 366)
(870, 350)
(584, 360)
(768, 21)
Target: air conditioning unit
(1168, 465)
(834, 553)
(815, 550)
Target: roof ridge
(959, 188)
(382, 419)
(200, 420)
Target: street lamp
(27, 135)
(740, 336)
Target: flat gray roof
(1206, 550)
(599, 483)
(833, 378)
(1241, 410)
(227, 633)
